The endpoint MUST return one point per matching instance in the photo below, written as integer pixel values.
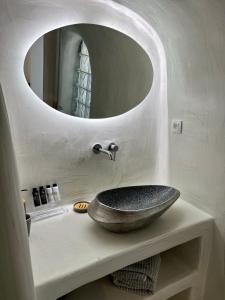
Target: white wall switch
(177, 126)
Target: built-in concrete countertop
(70, 250)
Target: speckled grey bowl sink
(129, 208)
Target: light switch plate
(177, 126)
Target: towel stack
(139, 278)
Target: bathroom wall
(193, 34)
(51, 146)
(16, 280)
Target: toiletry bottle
(24, 193)
(49, 194)
(55, 191)
(43, 195)
(36, 197)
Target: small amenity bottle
(56, 194)
(36, 197)
(43, 195)
(49, 193)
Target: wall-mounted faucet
(111, 151)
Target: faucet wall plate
(113, 147)
(96, 148)
(111, 152)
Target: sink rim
(173, 199)
(120, 221)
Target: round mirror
(88, 71)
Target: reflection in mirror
(88, 71)
(82, 88)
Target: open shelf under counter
(176, 274)
(70, 250)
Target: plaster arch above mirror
(89, 71)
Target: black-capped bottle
(36, 197)
(43, 195)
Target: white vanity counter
(70, 250)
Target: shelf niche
(177, 273)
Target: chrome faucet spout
(111, 152)
(107, 153)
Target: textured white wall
(193, 34)
(16, 281)
(53, 146)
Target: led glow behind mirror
(89, 71)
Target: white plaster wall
(16, 280)
(193, 35)
(52, 146)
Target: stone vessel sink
(129, 208)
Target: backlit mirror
(88, 71)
